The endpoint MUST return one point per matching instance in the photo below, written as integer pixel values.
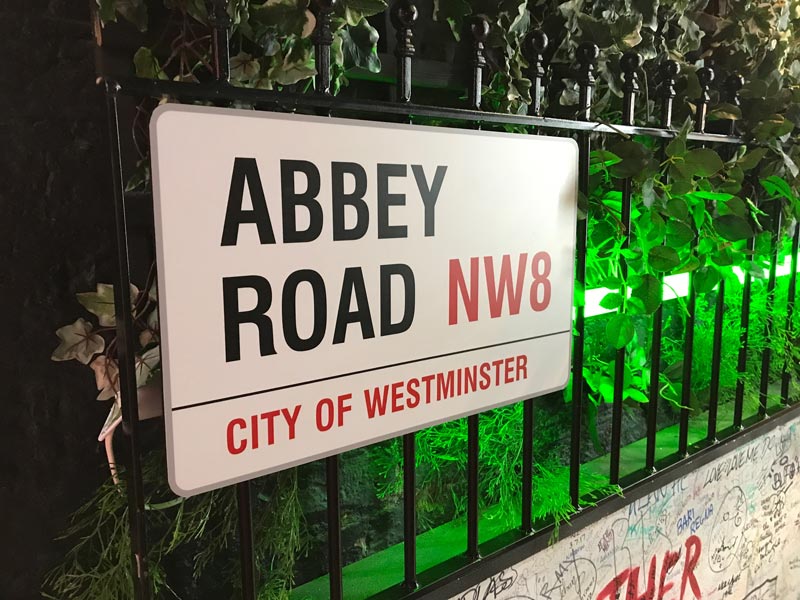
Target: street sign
(328, 283)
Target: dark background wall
(55, 240)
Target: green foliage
(202, 528)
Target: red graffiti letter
(610, 591)
(693, 548)
(670, 560)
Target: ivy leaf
(106, 377)
(78, 342)
(244, 67)
(611, 301)
(649, 291)
(288, 71)
(359, 45)
(354, 11)
(703, 162)
(101, 302)
(619, 331)
(133, 11)
(663, 258)
(733, 228)
(146, 64)
(145, 364)
(452, 12)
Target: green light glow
(675, 286)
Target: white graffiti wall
(730, 529)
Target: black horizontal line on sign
(371, 369)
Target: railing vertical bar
(716, 362)
(403, 16)
(786, 376)
(766, 353)
(705, 76)
(473, 449)
(527, 466)
(535, 46)
(479, 28)
(334, 527)
(585, 55)
(323, 38)
(630, 63)
(668, 71)
(731, 86)
(246, 545)
(741, 363)
(125, 357)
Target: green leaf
(777, 187)
(663, 258)
(690, 264)
(706, 279)
(703, 162)
(353, 11)
(771, 128)
(751, 159)
(636, 395)
(619, 331)
(678, 234)
(600, 160)
(678, 209)
(611, 301)
(716, 196)
(734, 206)
(733, 228)
(676, 147)
(635, 157)
(650, 292)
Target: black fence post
(630, 64)
(403, 16)
(586, 55)
(142, 589)
(668, 71)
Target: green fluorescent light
(675, 286)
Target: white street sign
(328, 283)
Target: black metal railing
(404, 17)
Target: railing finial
(732, 85)
(479, 28)
(668, 70)
(705, 76)
(630, 63)
(586, 55)
(534, 48)
(221, 23)
(404, 14)
(323, 38)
